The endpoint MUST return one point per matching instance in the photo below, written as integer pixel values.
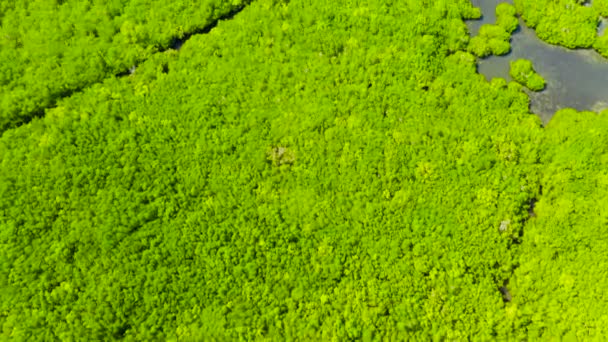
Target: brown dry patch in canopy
(280, 155)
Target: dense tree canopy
(569, 23)
(523, 72)
(306, 170)
(51, 48)
(558, 287)
(493, 39)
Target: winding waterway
(575, 78)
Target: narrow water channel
(575, 78)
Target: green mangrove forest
(303, 170)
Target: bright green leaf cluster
(341, 173)
(563, 22)
(51, 49)
(506, 17)
(562, 271)
(523, 72)
(493, 39)
(601, 6)
(288, 175)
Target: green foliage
(523, 72)
(562, 22)
(468, 11)
(506, 17)
(505, 9)
(499, 47)
(491, 40)
(288, 175)
(490, 31)
(50, 49)
(479, 46)
(601, 6)
(558, 288)
(601, 45)
(336, 174)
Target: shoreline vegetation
(569, 23)
(329, 174)
(575, 77)
(523, 73)
(493, 39)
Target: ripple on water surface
(575, 78)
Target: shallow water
(575, 78)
